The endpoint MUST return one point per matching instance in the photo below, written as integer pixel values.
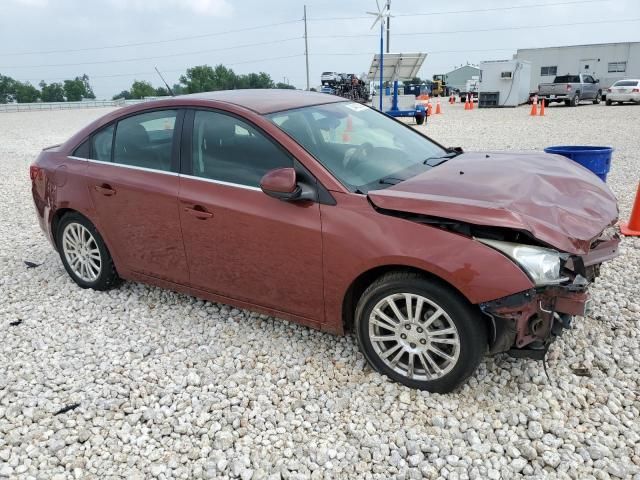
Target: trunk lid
(553, 198)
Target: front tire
(419, 332)
(84, 254)
(608, 102)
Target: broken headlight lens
(541, 264)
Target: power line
(151, 42)
(520, 27)
(101, 62)
(453, 12)
(134, 74)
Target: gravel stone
(170, 386)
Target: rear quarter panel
(61, 184)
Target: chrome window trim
(210, 180)
(222, 182)
(134, 167)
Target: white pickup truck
(571, 89)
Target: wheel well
(360, 284)
(55, 221)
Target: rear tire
(84, 254)
(596, 100)
(419, 119)
(575, 101)
(435, 338)
(608, 102)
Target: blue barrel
(596, 159)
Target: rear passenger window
(146, 140)
(230, 150)
(101, 144)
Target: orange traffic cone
(466, 103)
(470, 103)
(438, 109)
(632, 228)
(534, 107)
(429, 109)
(542, 107)
(346, 135)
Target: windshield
(364, 149)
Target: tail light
(608, 90)
(34, 171)
(635, 90)
(568, 87)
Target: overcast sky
(31, 28)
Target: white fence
(29, 107)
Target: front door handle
(105, 189)
(198, 212)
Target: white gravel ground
(172, 387)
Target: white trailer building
(607, 62)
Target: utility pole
(388, 23)
(306, 45)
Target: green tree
(77, 89)
(51, 93)
(204, 78)
(26, 93)
(161, 92)
(285, 86)
(126, 94)
(178, 89)
(88, 91)
(73, 90)
(7, 89)
(255, 80)
(141, 89)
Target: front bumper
(526, 323)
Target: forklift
(439, 88)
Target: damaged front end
(525, 324)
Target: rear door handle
(105, 190)
(198, 212)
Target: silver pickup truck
(571, 89)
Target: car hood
(556, 200)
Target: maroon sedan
(322, 211)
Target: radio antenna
(165, 82)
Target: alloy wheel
(81, 252)
(414, 336)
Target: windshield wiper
(442, 159)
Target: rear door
(241, 243)
(589, 87)
(134, 186)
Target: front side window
(146, 140)
(101, 143)
(364, 149)
(230, 150)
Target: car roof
(264, 101)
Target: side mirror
(281, 184)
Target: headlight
(541, 264)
